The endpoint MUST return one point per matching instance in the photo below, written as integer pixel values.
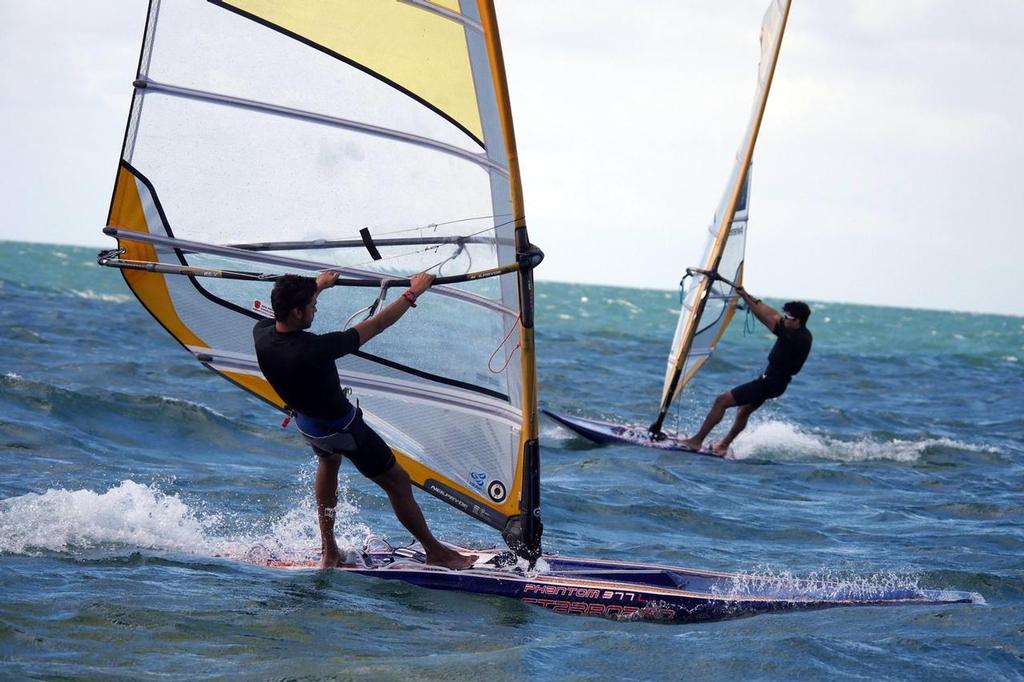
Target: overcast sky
(886, 172)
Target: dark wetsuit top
(785, 359)
(300, 367)
(789, 352)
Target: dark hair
(797, 309)
(291, 292)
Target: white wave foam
(780, 438)
(631, 307)
(141, 516)
(551, 431)
(130, 514)
(91, 295)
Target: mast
(523, 533)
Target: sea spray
(781, 440)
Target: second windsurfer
(792, 346)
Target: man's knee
(327, 460)
(394, 479)
(724, 400)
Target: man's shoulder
(261, 329)
(804, 338)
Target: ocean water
(127, 471)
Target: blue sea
(127, 473)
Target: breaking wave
(135, 516)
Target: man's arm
(368, 329)
(768, 315)
(325, 280)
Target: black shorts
(359, 443)
(759, 390)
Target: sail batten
(445, 12)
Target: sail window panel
(325, 183)
(731, 262)
(466, 444)
(202, 46)
(225, 330)
(455, 340)
(227, 175)
(414, 47)
(183, 302)
(442, 337)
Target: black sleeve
(779, 328)
(336, 344)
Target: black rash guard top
(300, 367)
(789, 352)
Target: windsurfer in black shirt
(300, 366)
(784, 361)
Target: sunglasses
(787, 316)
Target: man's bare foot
(720, 449)
(338, 559)
(691, 443)
(451, 559)
(330, 560)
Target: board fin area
(606, 433)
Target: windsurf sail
(709, 295)
(370, 137)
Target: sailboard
(620, 590)
(373, 138)
(709, 297)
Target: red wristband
(410, 296)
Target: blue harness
(321, 428)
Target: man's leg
(742, 414)
(722, 403)
(326, 487)
(397, 485)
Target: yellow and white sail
(709, 303)
(373, 137)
